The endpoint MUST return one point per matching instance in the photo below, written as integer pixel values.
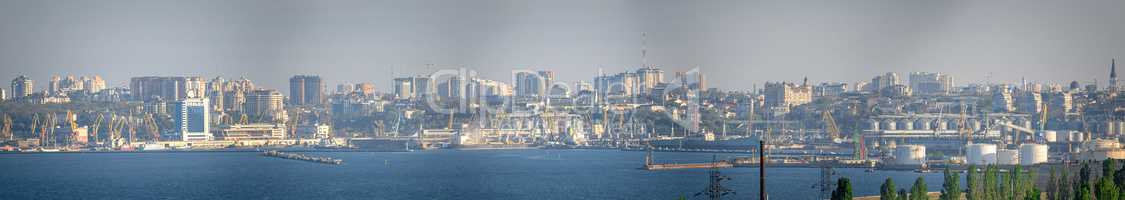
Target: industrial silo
(1031, 154)
(1007, 157)
(910, 155)
(981, 154)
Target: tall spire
(1113, 76)
(1113, 68)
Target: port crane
(94, 129)
(830, 125)
(71, 120)
(152, 128)
(35, 129)
(6, 130)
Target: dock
(651, 166)
(671, 166)
(294, 156)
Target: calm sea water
(479, 174)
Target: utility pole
(762, 170)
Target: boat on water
(707, 142)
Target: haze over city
(556, 99)
(737, 43)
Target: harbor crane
(94, 129)
(6, 130)
(830, 125)
(152, 128)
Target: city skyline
(375, 41)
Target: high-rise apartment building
(365, 89)
(1002, 100)
(787, 94)
(413, 87)
(884, 81)
(931, 83)
(168, 88)
(94, 84)
(191, 117)
(306, 90)
(649, 78)
(22, 86)
(263, 103)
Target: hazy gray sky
(736, 43)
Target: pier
(651, 166)
(293, 156)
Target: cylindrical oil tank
(1051, 136)
(981, 154)
(910, 155)
(1076, 136)
(888, 125)
(1031, 154)
(1007, 157)
(921, 124)
(1121, 128)
(906, 124)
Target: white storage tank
(910, 155)
(981, 154)
(1007, 157)
(1076, 136)
(1031, 154)
(1051, 136)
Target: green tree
(1032, 194)
(991, 183)
(973, 179)
(1084, 173)
(1108, 167)
(1052, 185)
(951, 188)
(1106, 189)
(1065, 189)
(1083, 192)
(887, 190)
(918, 191)
(843, 190)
